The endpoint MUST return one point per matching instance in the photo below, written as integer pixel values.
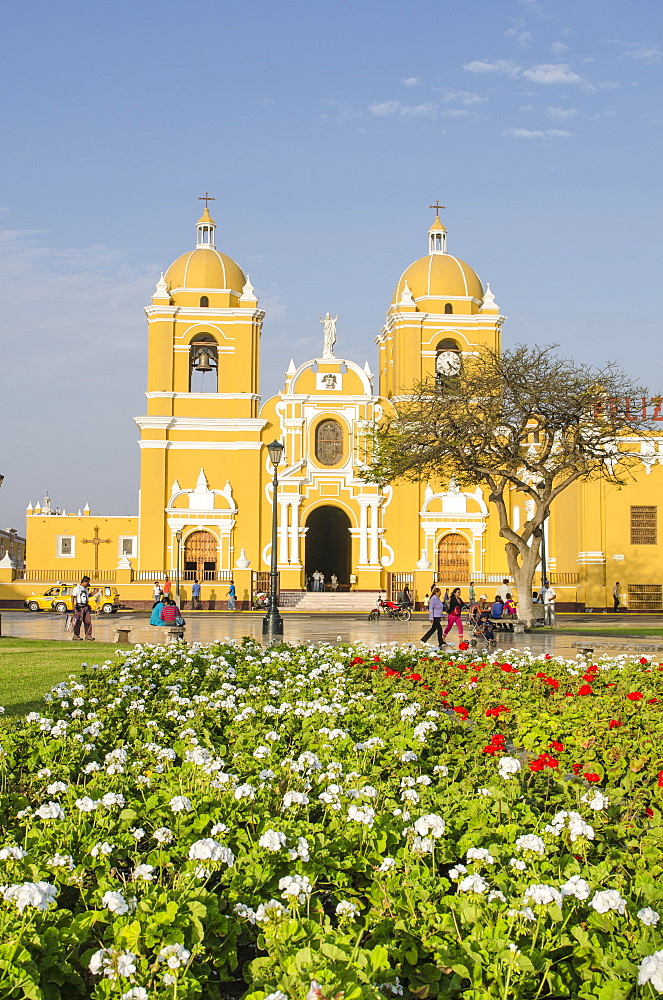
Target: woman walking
(435, 612)
(456, 608)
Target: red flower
(548, 656)
(634, 695)
(461, 666)
(377, 659)
(357, 659)
(643, 660)
(391, 673)
(413, 677)
(591, 776)
(463, 645)
(374, 666)
(614, 723)
(559, 747)
(649, 812)
(660, 779)
(540, 673)
(585, 689)
(551, 682)
(576, 768)
(543, 760)
(653, 701)
(463, 712)
(507, 668)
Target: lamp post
(178, 536)
(272, 623)
(544, 571)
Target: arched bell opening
(203, 364)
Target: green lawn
(30, 667)
(610, 632)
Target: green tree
(524, 419)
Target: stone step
(329, 602)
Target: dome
(205, 268)
(439, 276)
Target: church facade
(205, 500)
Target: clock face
(448, 363)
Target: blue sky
(324, 132)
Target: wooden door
(200, 556)
(453, 560)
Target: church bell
(203, 362)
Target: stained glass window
(329, 442)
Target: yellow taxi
(60, 599)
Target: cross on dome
(437, 234)
(206, 225)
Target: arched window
(448, 308)
(329, 442)
(203, 364)
(204, 301)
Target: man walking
(232, 594)
(549, 598)
(195, 596)
(81, 596)
(167, 586)
(615, 597)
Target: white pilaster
(283, 532)
(294, 531)
(373, 535)
(363, 534)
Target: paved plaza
(214, 626)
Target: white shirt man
(81, 596)
(504, 589)
(549, 598)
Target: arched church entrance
(453, 560)
(201, 551)
(328, 544)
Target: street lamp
(272, 623)
(544, 572)
(178, 536)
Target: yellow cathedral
(205, 501)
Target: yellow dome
(205, 268)
(439, 276)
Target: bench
(511, 624)
(587, 646)
(122, 634)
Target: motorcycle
(391, 610)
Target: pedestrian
(195, 596)
(445, 600)
(504, 589)
(353, 581)
(156, 593)
(81, 597)
(167, 586)
(435, 612)
(169, 610)
(407, 597)
(470, 595)
(334, 582)
(321, 581)
(232, 594)
(425, 602)
(615, 597)
(549, 598)
(456, 607)
(155, 617)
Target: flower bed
(325, 820)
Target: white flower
(86, 804)
(163, 835)
(276, 996)
(61, 861)
(387, 864)
(423, 845)
(608, 899)
(245, 912)
(272, 840)
(362, 815)
(92, 766)
(292, 798)
(479, 854)
(40, 895)
(273, 910)
(508, 766)
(496, 894)
(576, 824)
(115, 902)
(530, 842)
(650, 970)
(457, 871)
(595, 799)
(180, 803)
(111, 799)
(295, 886)
(576, 886)
(261, 752)
(174, 955)
(218, 828)
(102, 848)
(210, 850)
(441, 769)
(143, 872)
(486, 792)
(430, 824)
(527, 913)
(542, 895)
(408, 756)
(137, 993)
(300, 851)
(245, 792)
(518, 864)
(648, 916)
(51, 810)
(473, 883)
(421, 731)
(55, 787)
(346, 909)
(12, 852)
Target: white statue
(329, 326)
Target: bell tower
(439, 312)
(204, 328)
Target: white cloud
(503, 66)
(411, 81)
(529, 133)
(554, 112)
(385, 109)
(552, 73)
(523, 38)
(649, 54)
(456, 113)
(559, 48)
(462, 97)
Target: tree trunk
(523, 574)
